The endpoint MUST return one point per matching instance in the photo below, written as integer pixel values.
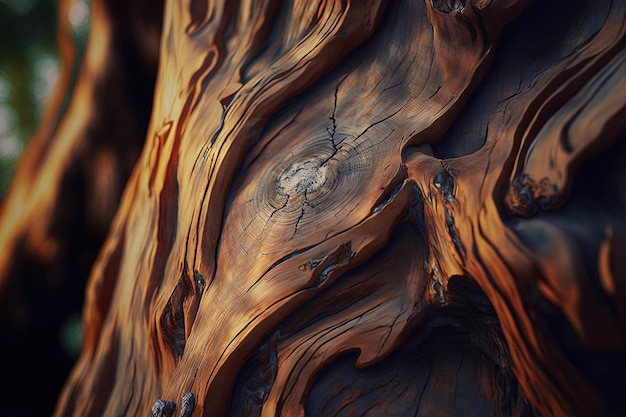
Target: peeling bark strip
(370, 207)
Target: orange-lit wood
(365, 208)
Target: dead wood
(362, 208)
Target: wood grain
(370, 208)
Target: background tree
(340, 208)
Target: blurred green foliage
(28, 65)
(29, 69)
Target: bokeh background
(29, 69)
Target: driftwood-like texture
(367, 208)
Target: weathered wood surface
(370, 208)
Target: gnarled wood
(370, 208)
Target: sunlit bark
(351, 208)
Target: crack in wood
(444, 182)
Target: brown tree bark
(355, 208)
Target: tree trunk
(341, 208)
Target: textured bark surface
(368, 208)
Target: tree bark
(359, 208)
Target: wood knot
(449, 6)
(302, 178)
(163, 408)
(526, 197)
(187, 404)
(444, 183)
